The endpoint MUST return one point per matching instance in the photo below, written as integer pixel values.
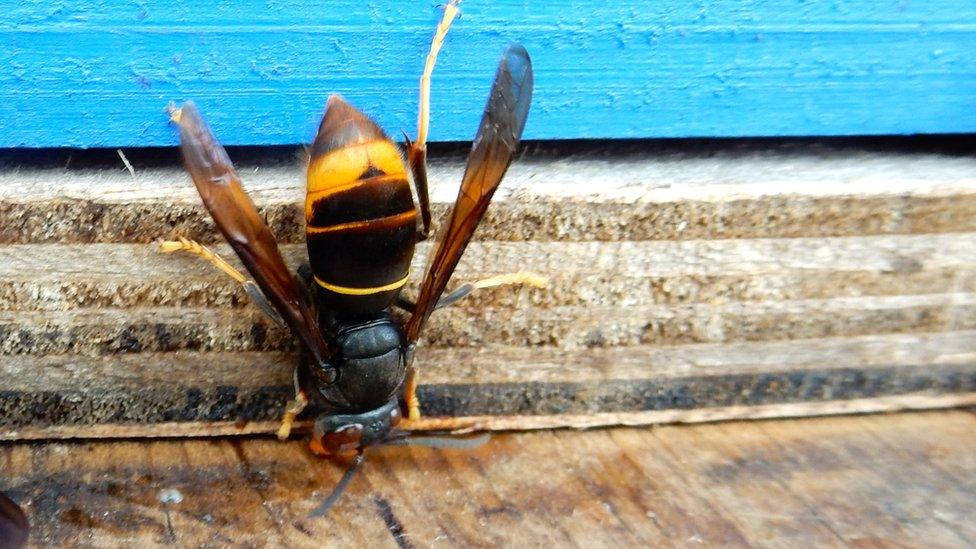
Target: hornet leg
(522, 277)
(417, 158)
(417, 150)
(201, 251)
(410, 395)
(292, 409)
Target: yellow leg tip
(175, 113)
(284, 431)
(413, 409)
(292, 409)
(170, 246)
(525, 278)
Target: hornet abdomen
(361, 222)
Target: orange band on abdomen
(344, 169)
(345, 165)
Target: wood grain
(158, 388)
(107, 331)
(461, 366)
(830, 482)
(473, 424)
(732, 280)
(580, 273)
(644, 191)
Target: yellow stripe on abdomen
(346, 290)
(377, 223)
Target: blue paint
(92, 73)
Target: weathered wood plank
(580, 273)
(102, 330)
(891, 254)
(909, 513)
(671, 499)
(50, 292)
(463, 425)
(108, 331)
(63, 390)
(943, 476)
(651, 172)
(595, 194)
(462, 366)
(830, 481)
(763, 509)
(947, 474)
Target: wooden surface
(713, 282)
(57, 396)
(95, 74)
(901, 480)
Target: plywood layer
(642, 193)
(580, 273)
(781, 280)
(44, 394)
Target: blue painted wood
(96, 73)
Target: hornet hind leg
(295, 406)
(417, 158)
(417, 150)
(201, 251)
(292, 409)
(522, 277)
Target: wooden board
(581, 274)
(129, 395)
(593, 192)
(724, 281)
(94, 75)
(837, 482)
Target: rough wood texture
(79, 391)
(870, 481)
(642, 192)
(104, 331)
(480, 424)
(581, 273)
(738, 275)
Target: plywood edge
(599, 174)
(501, 364)
(107, 331)
(546, 199)
(463, 425)
(111, 276)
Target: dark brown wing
(242, 226)
(14, 527)
(492, 152)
